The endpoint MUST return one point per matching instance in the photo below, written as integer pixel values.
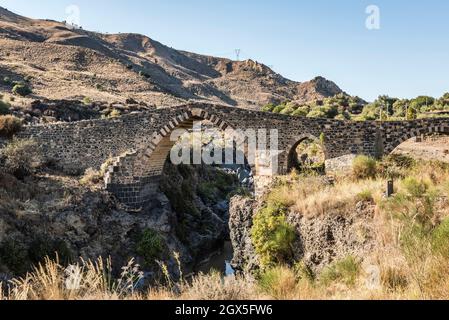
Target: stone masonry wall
(139, 142)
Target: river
(220, 261)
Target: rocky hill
(66, 63)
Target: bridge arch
(413, 133)
(291, 151)
(134, 177)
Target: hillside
(71, 64)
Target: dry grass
(311, 197)
(406, 264)
(9, 125)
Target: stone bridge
(139, 143)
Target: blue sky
(406, 57)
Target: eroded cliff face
(321, 240)
(48, 212)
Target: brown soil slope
(68, 63)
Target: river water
(220, 261)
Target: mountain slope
(68, 63)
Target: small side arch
(290, 154)
(391, 147)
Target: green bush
(150, 247)
(207, 191)
(301, 112)
(345, 271)
(43, 246)
(415, 188)
(21, 89)
(4, 107)
(87, 101)
(9, 125)
(364, 167)
(440, 239)
(272, 236)
(14, 256)
(317, 113)
(365, 196)
(279, 109)
(269, 107)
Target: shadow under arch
(134, 177)
(290, 158)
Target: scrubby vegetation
(21, 89)
(272, 236)
(344, 107)
(4, 106)
(150, 246)
(410, 261)
(20, 157)
(9, 125)
(412, 256)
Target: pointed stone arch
(135, 176)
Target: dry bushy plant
(214, 287)
(93, 177)
(9, 125)
(21, 157)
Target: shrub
(14, 256)
(93, 177)
(279, 282)
(365, 196)
(415, 188)
(4, 107)
(87, 101)
(364, 168)
(21, 89)
(150, 247)
(272, 236)
(394, 279)
(279, 108)
(301, 112)
(345, 271)
(114, 114)
(43, 246)
(21, 157)
(207, 191)
(440, 239)
(269, 107)
(90, 177)
(9, 125)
